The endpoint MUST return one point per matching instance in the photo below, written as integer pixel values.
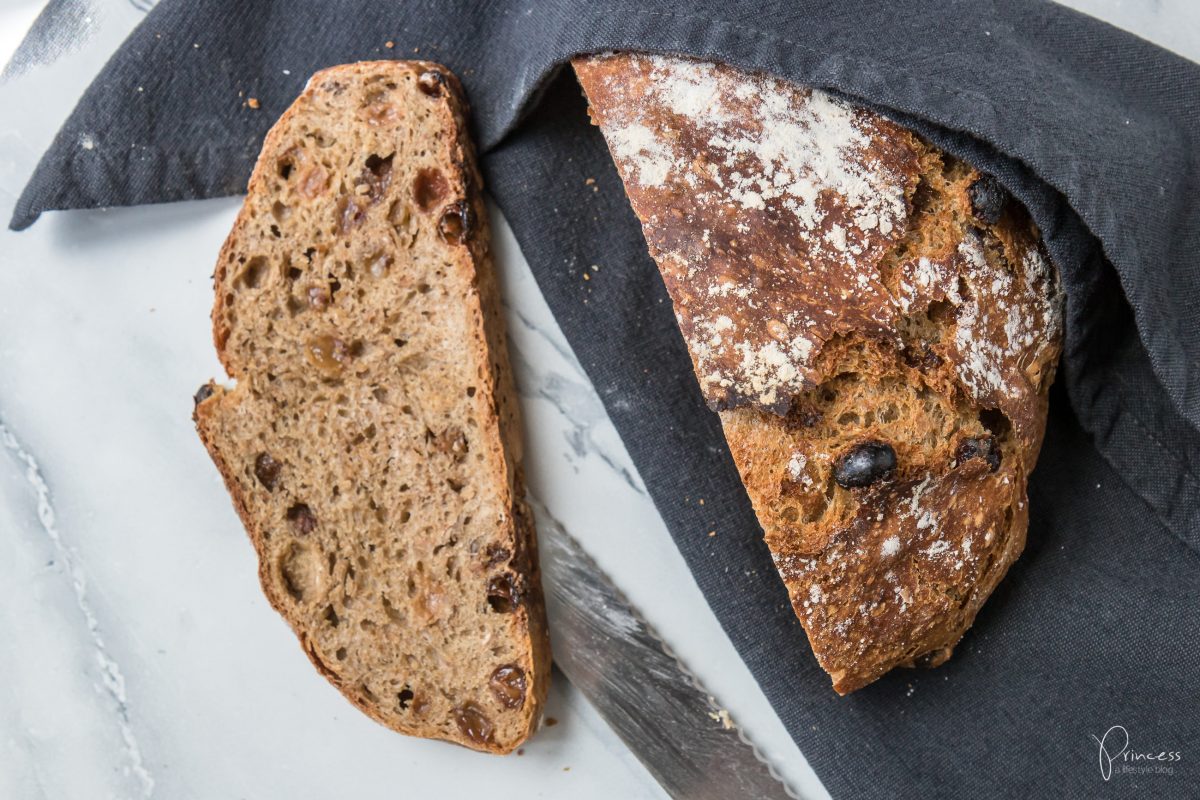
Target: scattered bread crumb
(712, 533)
(551, 722)
(389, 44)
(252, 102)
(520, 751)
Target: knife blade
(641, 690)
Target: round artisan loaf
(877, 324)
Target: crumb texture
(371, 441)
(877, 324)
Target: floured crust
(836, 287)
(390, 520)
(772, 210)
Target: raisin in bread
(371, 442)
(875, 321)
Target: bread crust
(492, 400)
(838, 290)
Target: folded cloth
(1096, 131)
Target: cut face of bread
(876, 323)
(371, 443)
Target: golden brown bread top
(774, 212)
(877, 325)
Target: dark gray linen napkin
(1096, 131)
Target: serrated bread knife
(607, 651)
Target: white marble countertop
(139, 656)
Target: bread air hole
(252, 274)
(964, 289)
(942, 312)
(996, 422)
(376, 176)
(924, 198)
(393, 614)
(322, 140)
(380, 166)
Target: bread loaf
(371, 443)
(877, 324)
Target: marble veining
(577, 402)
(112, 681)
(565, 385)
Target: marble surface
(139, 658)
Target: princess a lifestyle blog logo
(1118, 758)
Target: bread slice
(876, 323)
(371, 442)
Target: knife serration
(639, 687)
